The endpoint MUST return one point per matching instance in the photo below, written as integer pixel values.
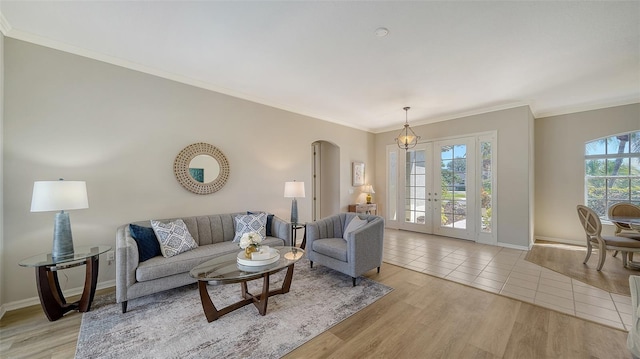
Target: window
(612, 171)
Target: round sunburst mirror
(201, 168)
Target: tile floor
(505, 271)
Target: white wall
(514, 127)
(120, 130)
(559, 167)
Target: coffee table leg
(210, 310)
(286, 285)
(261, 303)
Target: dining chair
(593, 230)
(624, 209)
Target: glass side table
(294, 234)
(51, 298)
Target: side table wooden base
(53, 301)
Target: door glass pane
(453, 176)
(415, 179)
(486, 189)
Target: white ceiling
(322, 59)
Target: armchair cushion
(332, 247)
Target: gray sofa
(359, 253)
(214, 235)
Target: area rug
(172, 324)
(567, 259)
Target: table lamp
(60, 196)
(368, 189)
(292, 190)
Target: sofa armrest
(281, 229)
(126, 262)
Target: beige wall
(120, 130)
(559, 167)
(514, 128)
(2, 257)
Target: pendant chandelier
(407, 138)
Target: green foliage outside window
(612, 171)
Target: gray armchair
(359, 253)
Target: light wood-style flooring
(423, 317)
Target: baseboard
(512, 246)
(561, 240)
(23, 303)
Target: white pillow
(174, 237)
(250, 223)
(355, 223)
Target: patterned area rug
(172, 324)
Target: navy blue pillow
(145, 237)
(269, 222)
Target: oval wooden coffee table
(226, 270)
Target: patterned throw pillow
(250, 223)
(174, 237)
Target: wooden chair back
(623, 209)
(590, 221)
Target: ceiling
(323, 58)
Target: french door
(435, 188)
(454, 195)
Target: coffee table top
(225, 269)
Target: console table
(368, 208)
(52, 300)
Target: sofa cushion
(174, 237)
(148, 245)
(159, 267)
(331, 247)
(354, 224)
(250, 223)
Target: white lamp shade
(368, 189)
(294, 189)
(59, 196)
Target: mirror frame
(181, 168)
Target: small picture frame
(357, 173)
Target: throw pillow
(250, 223)
(174, 237)
(145, 237)
(269, 222)
(354, 224)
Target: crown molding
(5, 27)
(454, 116)
(589, 107)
